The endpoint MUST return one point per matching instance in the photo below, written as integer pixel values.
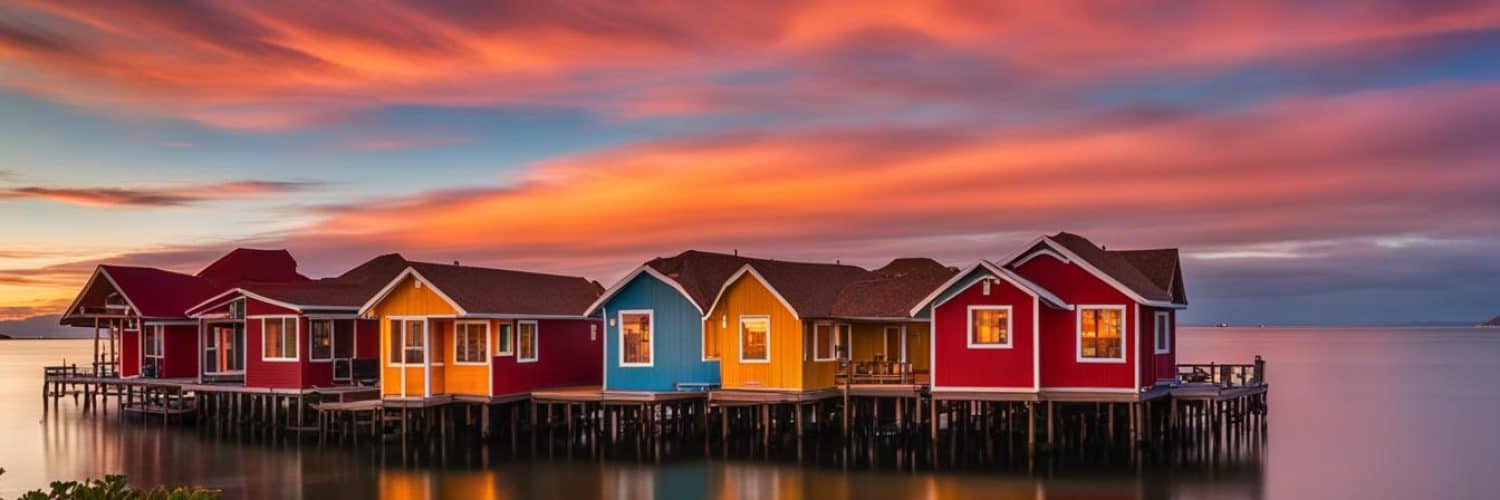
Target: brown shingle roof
(480, 290)
(1124, 268)
(1162, 266)
(700, 273)
(350, 289)
(811, 289)
(894, 291)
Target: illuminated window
(407, 343)
(1163, 332)
(635, 338)
(320, 339)
(755, 339)
(1101, 333)
(279, 339)
(989, 327)
(526, 348)
(470, 342)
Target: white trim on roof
(262, 298)
(1034, 290)
(750, 269)
(647, 269)
(1085, 265)
(98, 270)
(411, 271)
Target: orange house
(784, 326)
(484, 335)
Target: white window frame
(833, 343)
(741, 349)
(484, 352)
(296, 339)
(1078, 333)
(401, 340)
(161, 344)
(650, 337)
(1162, 338)
(332, 338)
(536, 341)
(1010, 323)
(505, 346)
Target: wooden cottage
(1113, 330)
(784, 326)
(141, 312)
(298, 334)
(487, 335)
(654, 336)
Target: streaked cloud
(165, 196)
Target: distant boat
(1222, 325)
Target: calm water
(1355, 413)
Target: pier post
(1030, 430)
(1051, 411)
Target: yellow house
(783, 326)
(483, 334)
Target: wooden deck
(732, 397)
(887, 390)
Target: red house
(141, 312)
(1061, 317)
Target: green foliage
(113, 487)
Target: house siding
(568, 352)
(1060, 365)
(130, 353)
(271, 374)
(747, 296)
(179, 352)
(677, 329)
(999, 368)
(406, 299)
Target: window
(842, 345)
(755, 339)
(153, 341)
(505, 345)
(407, 343)
(320, 339)
(237, 309)
(635, 338)
(989, 327)
(1100, 333)
(278, 339)
(830, 341)
(1163, 332)
(710, 343)
(469, 342)
(526, 350)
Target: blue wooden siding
(678, 343)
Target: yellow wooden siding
(918, 347)
(406, 299)
(869, 342)
(462, 379)
(748, 297)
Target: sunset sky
(1317, 162)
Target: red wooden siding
(1157, 366)
(179, 352)
(960, 366)
(1060, 365)
(566, 356)
(272, 374)
(130, 353)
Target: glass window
(414, 344)
(237, 309)
(152, 343)
(842, 346)
(395, 354)
(824, 342)
(469, 342)
(1163, 332)
(755, 339)
(320, 339)
(505, 345)
(279, 336)
(989, 326)
(526, 350)
(1100, 333)
(635, 338)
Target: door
(223, 349)
(343, 350)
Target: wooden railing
(1224, 375)
(877, 372)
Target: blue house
(654, 339)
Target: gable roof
(700, 274)
(1031, 288)
(816, 290)
(1126, 270)
(347, 291)
(488, 291)
(150, 292)
(249, 264)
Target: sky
(1316, 162)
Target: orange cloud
(1367, 165)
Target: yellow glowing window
(1100, 333)
(755, 339)
(989, 326)
(635, 338)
